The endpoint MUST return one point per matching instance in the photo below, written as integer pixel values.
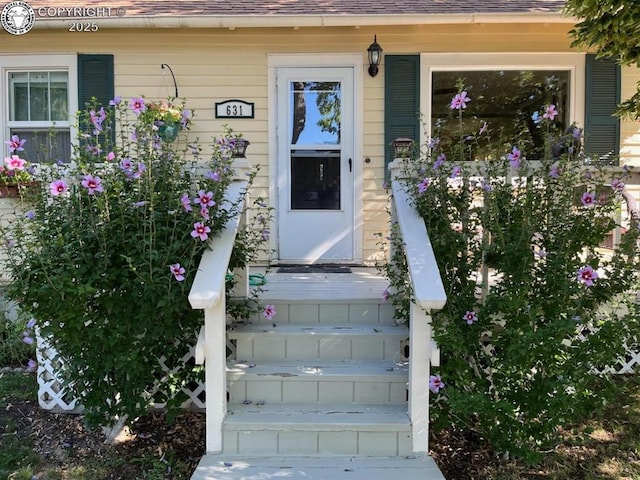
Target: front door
(315, 164)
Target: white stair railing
(208, 294)
(428, 297)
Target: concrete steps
(319, 391)
(226, 467)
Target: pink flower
(459, 101)
(514, 157)
(116, 101)
(215, 176)
(14, 162)
(137, 105)
(15, 144)
(555, 171)
(470, 317)
(111, 156)
(92, 184)
(178, 271)
(186, 203)
(617, 184)
(435, 383)
(204, 199)
(186, 117)
(455, 171)
(27, 339)
(200, 230)
(550, 112)
(386, 295)
(204, 212)
(423, 185)
(58, 187)
(31, 364)
(587, 275)
(483, 128)
(269, 312)
(588, 199)
(440, 159)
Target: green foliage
(612, 28)
(14, 352)
(106, 256)
(535, 306)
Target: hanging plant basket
(169, 132)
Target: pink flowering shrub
(536, 308)
(106, 256)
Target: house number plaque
(234, 109)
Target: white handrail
(208, 293)
(428, 296)
(428, 289)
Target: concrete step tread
(315, 370)
(291, 329)
(325, 417)
(229, 467)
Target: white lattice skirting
(52, 396)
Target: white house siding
(211, 65)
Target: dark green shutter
(401, 101)
(602, 129)
(95, 79)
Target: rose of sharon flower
(15, 144)
(92, 184)
(137, 105)
(470, 317)
(550, 112)
(587, 275)
(423, 185)
(58, 187)
(200, 230)
(514, 157)
(435, 383)
(14, 162)
(588, 199)
(459, 101)
(269, 312)
(178, 271)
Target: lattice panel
(626, 364)
(52, 396)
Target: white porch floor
(217, 467)
(363, 283)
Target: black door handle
(349, 164)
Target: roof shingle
(157, 8)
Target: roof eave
(296, 21)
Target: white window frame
(30, 63)
(574, 63)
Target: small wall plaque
(234, 109)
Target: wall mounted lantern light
(375, 55)
(240, 150)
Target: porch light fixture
(240, 150)
(375, 55)
(402, 147)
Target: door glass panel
(315, 153)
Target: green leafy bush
(536, 306)
(106, 256)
